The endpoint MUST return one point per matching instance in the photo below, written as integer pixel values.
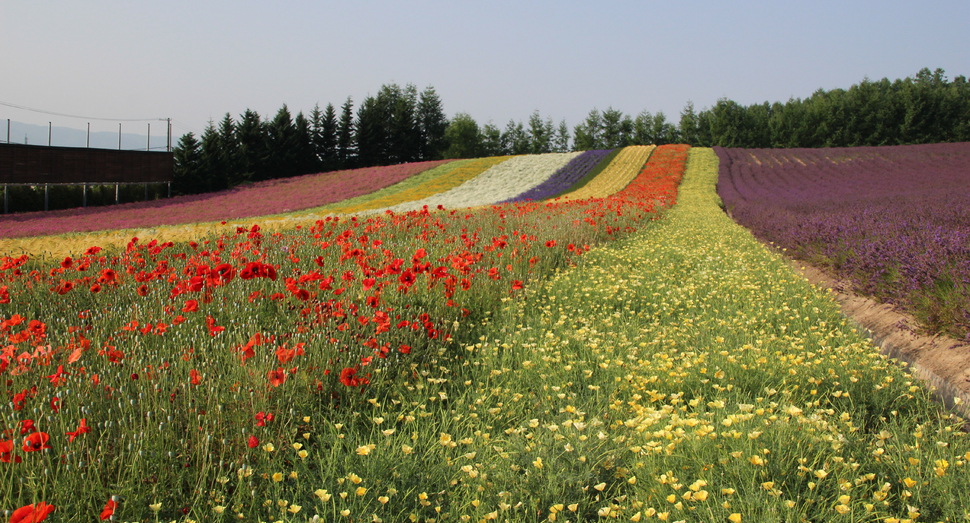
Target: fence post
(116, 193)
(84, 192)
(47, 197)
(6, 200)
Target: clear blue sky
(496, 60)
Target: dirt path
(942, 362)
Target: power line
(16, 106)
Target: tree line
(926, 108)
(399, 125)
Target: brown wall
(35, 164)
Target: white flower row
(498, 183)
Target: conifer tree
(688, 125)
(187, 155)
(212, 169)
(251, 140)
(514, 139)
(305, 158)
(432, 124)
(346, 155)
(561, 139)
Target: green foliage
(464, 138)
(924, 109)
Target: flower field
(564, 178)
(259, 199)
(894, 221)
(637, 357)
(615, 176)
(501, 182)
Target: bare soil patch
(942, 362)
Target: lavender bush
(563, 178)
(258, 199)
(894, 221)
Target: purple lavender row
(258, 199)
(894, 221)
(563, 178)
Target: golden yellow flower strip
(617, 175)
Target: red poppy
(347, 377)
(27, 426)
(82, 428)
(262, 418)
(191, 306)
(253, 442)
(108, 276)
(67, 263)
(276, 377)
(516, 285)
(6, 452)
(109, 509)
(36, 441)
(195, 377)
(143, 290)
(31, 513)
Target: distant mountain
(67, 137)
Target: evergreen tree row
(399, 125)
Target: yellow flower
(277, 477)
(294, 509)
(155, 507)
(322, 494)
(407, 449)
(360, 491)
(218, 509)
(354, 478)
(735, 517)
(364, 450)
(727, 491)
(269, 447)
(303, 454)
(909, 482)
